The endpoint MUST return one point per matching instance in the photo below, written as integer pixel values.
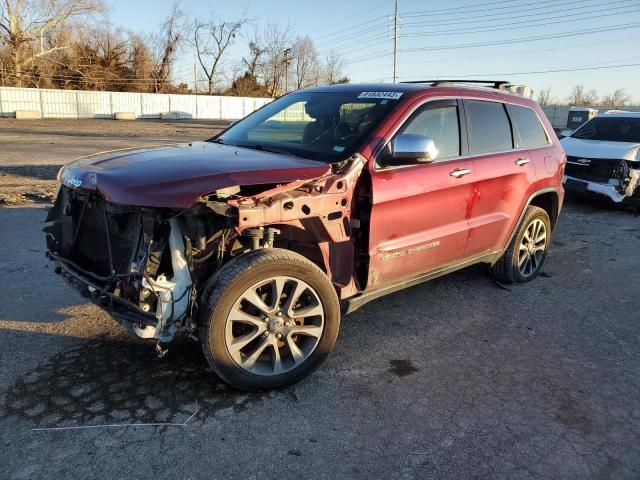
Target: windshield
(611, 129)
(326, 126)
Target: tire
(270, 341)
(509, 268)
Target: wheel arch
(549, 201)
(546, 198)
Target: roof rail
(497, 84)
(609, 112)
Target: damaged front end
(148, 266)
(132, 261)
(616, 180)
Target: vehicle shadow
(119, 381)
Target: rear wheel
(523, 259)
(272, 318)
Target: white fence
(558, 114)
(86, 104)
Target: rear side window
(489, 129)
(531, 131)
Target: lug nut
(265, 334)
(279, 314)
(278, 336)
(266, 319)
(287, 323)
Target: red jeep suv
(256, 240)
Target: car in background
(603, 158)
(576, 117)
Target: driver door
(419, 215)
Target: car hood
(176, 176)
(579, 147)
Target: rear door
(418, 219)
(503, 173)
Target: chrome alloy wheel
(274, 326)
(532, 248)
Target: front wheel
(271, 318)
(523, 259)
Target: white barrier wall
(558, 114)
(87, 104)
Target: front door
(418, 220)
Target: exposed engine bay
(147, 266)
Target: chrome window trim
(376, 165)
(378, 168)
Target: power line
(510, 41)
(338, 32)
(502, 55)
(473, 8)
(395, 42)
(527, 24)
(491, 18)
(511, 25)
(534, 72)
(608, 28)
(374, 30)
(354, 34)
(351, 40)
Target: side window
(531, 131)
(441, 125)
(489, 129)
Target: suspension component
(261, 237)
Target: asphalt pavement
(457, 378)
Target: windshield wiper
(262, 148)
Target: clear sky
(442, 38)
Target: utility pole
(395, 43)
(195, 79)
(286, 69)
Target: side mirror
(408, 149)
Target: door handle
(522, 161)
(460, 172)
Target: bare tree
(255, 54)
(211, 40)
(25, 26)
(273, 41)
(334, 69)
(580, 97)
(306, 67)
(165, 46)
(545, 97)
(619, 98)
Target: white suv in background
(603, 158)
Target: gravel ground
(457, 378)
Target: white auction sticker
(390, 95)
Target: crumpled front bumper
(586, 188)
(126, 313)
